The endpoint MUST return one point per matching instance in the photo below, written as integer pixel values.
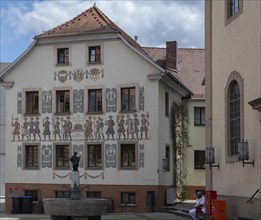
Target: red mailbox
(210, 195)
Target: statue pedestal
(82, 209)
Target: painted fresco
(47, 101)
(141, 155)
(78, 75)
(111, 100)
(110, 155)
(47, 156)
(19, 156)
(78, 101)
(142, 98)
(77, 128)
(19, 102)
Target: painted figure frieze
(81, 128)
(78, 74)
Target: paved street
(111, 216)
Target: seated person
(199, 207)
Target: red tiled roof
(191, 68)
(92, 20)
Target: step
(180, 213)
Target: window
(233, 7)
(95, 54)
(63, 56)
(63, 101)
(93, 194)
(32, 102)
(166, 104)
(62, 156)
(128, 156)
(167, 156)
(234, 117)
(94, 155)
(128, 198)
(128, 99)
(199, 116)
(95, 100)
(199, 159)
(31, 157)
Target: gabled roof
(190, 67)
(93, 20)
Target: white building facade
(86, 86)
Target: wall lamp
(243, 153)
(210, 157)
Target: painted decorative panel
(47, 101)
(19, 156)
(79, 149)
(78, 101)
(141, 155)
(111, 100)
(110, 155)
(19, 102)
(142, 98)
(47, 156)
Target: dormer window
(63, 56)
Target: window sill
(62, 113)
(95, 113)
(31, 114)
(94, 63)
(126, 111)
(63, 64)
(128, 205)
(94, 168)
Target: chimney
(171, 54)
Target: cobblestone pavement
(110, 216)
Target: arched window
(234, 117)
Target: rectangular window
(199, 116)
(128, 99)
(62, 156)
(32, 102)
(166, 104)
(94, 155)
(199, 159)
(95, 100)
(167, 156)
(63, 56)
(31, 157)
(93, 194)
(128, 198)
(233, 7)
(95, 54)
(63, 101)
(128, 156)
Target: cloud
(154, 22)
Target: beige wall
(231, 47)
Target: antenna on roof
(135, 38)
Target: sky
(153, 21)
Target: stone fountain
(75, 207)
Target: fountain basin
(82, 209)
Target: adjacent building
(87, 86)
(233, 100)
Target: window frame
(134, 145)
(237, 77)
(24, 101)
(198, 155)
(26, 159)
(128, 204)
(136, 98)
(55, 159)
(202, 119)
(167, 156)
(96, 55)
(230, 17)
(87, 164)
(167, 110)
(55, 106)
(103, 100)
(56, 55)
(94, 44)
